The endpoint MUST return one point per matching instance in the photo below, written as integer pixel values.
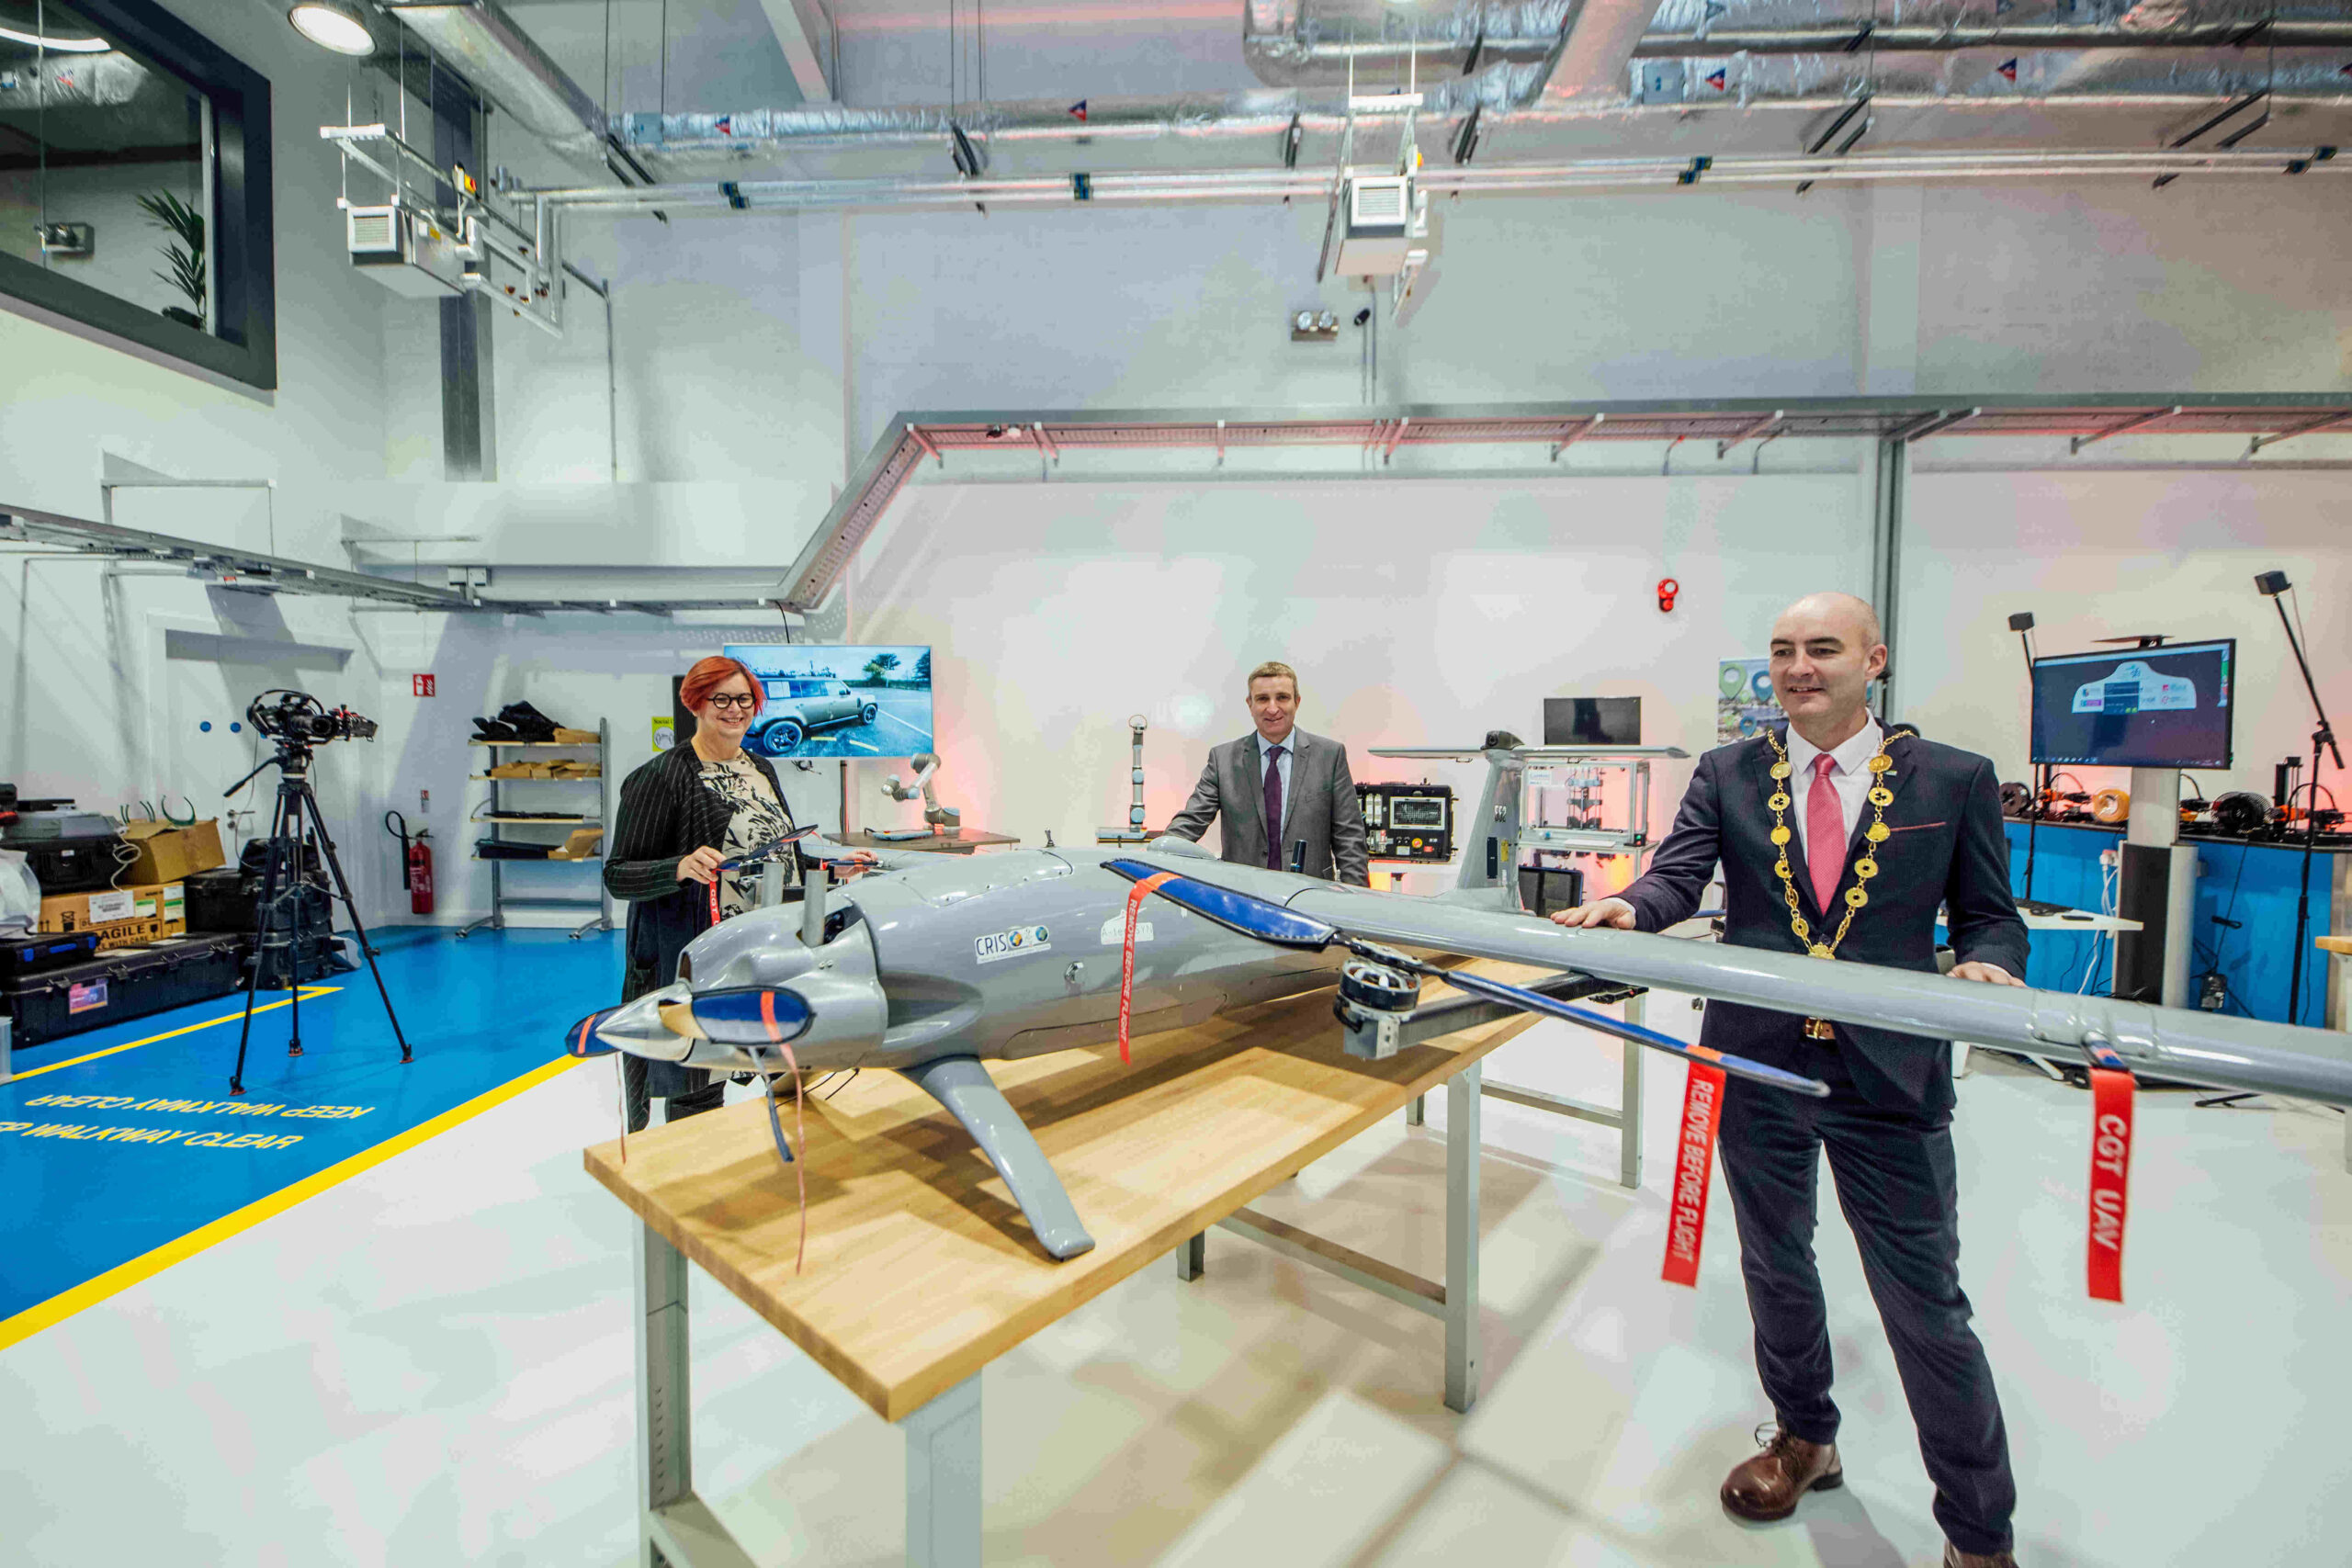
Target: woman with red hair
(696, 804)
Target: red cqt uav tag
(1694, 1159)
(421, 685)
(2111, 1087)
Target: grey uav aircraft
(934, 964)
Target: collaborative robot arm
(926, 766)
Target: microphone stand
(2034, 807)
(2323, 736)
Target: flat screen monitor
(1592, 721)
(2149, 707)
(839, 699)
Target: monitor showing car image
(838, 699)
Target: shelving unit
(502, 814)
(1587, 836)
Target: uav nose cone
(637, 1028)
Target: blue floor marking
(478, 1013)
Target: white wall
(2116, 554)
(1416, 615)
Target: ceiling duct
(71, 81)
(1293, 43)
(508, 68)
(1717, 27)
(1990, 79)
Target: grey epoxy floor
(431, 1363)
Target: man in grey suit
(1280, 774)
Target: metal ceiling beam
(804, 31)
(112, 541)
(912, 436)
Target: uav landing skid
(962, 1084)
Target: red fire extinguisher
(416, 857)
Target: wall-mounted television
(2167, 707)
(839, 699)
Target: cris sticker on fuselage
(1018, 943)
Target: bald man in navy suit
(1886, 828)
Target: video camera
(298, 718)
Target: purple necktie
(1274, 809)
(1824, 834)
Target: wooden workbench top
(920, 1270)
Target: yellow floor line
(58, 1308)
(308, 992)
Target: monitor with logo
(2167, 707)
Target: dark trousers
(636, 1083)
(1897, 1184)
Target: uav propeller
(1270, 922)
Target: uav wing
(2157, 1042)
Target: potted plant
(186, 258)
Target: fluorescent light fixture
(58, 45)
(332, 24)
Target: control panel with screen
(1408, 822)
(2167, 707)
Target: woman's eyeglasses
(723, 701)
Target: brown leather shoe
(1768, 1487)
(1955, 1558)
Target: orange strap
(1694, 1158)
(799, 1120)
(1128, 954)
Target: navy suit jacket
(1946, 848)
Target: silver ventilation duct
(1292, 43)
(1991, 78)
(508, 68)
(71, 81)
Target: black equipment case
(127, 983)
(37, 951)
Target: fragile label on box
(85, 998)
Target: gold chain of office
(1881, 797)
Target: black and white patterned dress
(755, 817)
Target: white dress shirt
(1851, 778)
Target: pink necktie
(1824, 834)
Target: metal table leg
(944, 1480)
(1461, 1111)
(675, 1528)
(1193, 1258)
(1629, 1101)
(1416, 1113)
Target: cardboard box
(113, 934)
(170, 851)
(79, 911)
(167, 902)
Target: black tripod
(2272, 585)
(292, 824)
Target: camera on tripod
(298, 718)
(293, 900)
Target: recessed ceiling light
(58, 45)
(331, 23)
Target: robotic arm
(926, 768)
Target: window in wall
(134, 181)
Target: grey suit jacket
(1320, 807)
